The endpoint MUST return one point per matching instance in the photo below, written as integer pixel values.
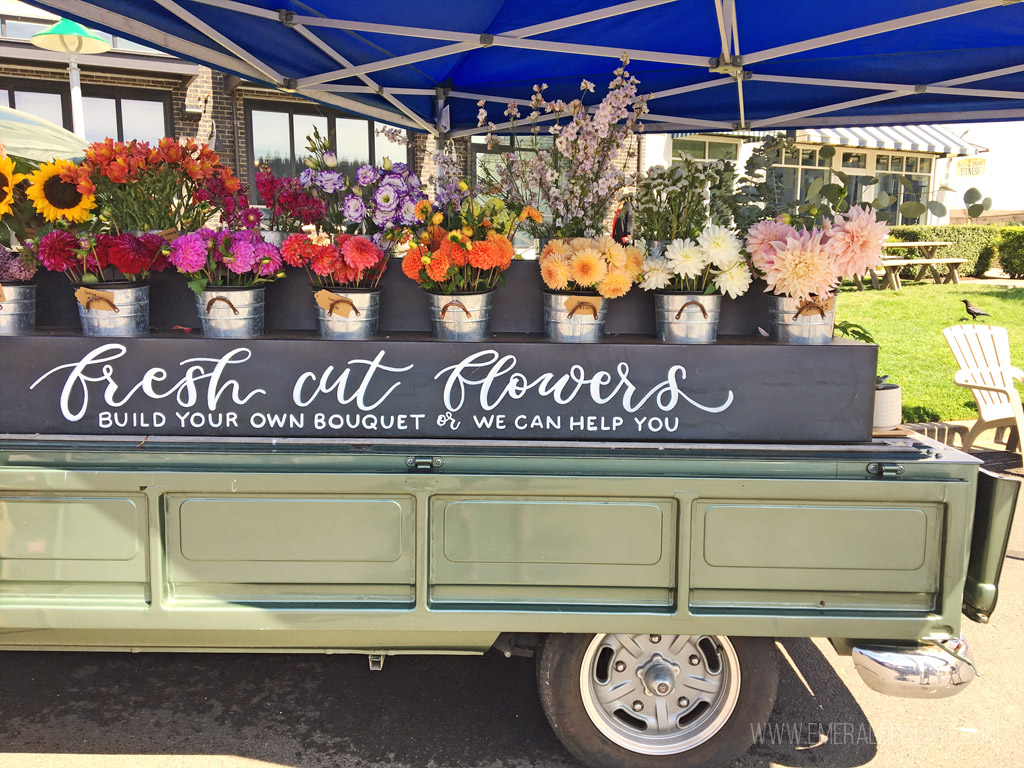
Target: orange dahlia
(505, 248)
(485, 255)
(413, 263)
(615, 284)
(555, 274)
(588, 267)
(437, 269)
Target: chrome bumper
(916, 672)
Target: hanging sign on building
(970, 166)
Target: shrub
(974, 242)
(1011, 251)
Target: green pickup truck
(648, 578)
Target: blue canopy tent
(708, 64)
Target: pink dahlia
(188, 252)
(855, 241)
(801, 267)
(241, 255)
(760, 240)
(268, 259)
(360, 253)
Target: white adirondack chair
(983, 354)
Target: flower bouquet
(458, 258)
(575, 171)
(344, 271)
(689, 279)
(142, 188)
(803, 267)
(110, 272)
(581, 275)
(227, 270)
(289, 206)
(17, 295)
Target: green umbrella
(37, 140)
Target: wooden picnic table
(929, 262)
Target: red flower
(57, 251)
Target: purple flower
(395, 180)
(307, 177)
(354, 208)
(414, 183)
(188, 252)
(400, 168)
(408, 212)
(330, 159)
(386, 219)
(366, 175)
(385, 199)
(330, 181)
(12, 267)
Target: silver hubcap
(659, 695)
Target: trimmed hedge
(1011, 251)
(975, 242)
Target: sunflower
(8, 178)
(55, 198)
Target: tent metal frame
(228, 55)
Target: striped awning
(908, 138)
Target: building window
(141, 116)
(52, 105)
(705, 149)
(799, 169)
(278, 137)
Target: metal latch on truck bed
(424, 463)
(885, 470)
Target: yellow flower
(8, 178)
(467, 231)
(588, 267)
(634, 259)
(437, 218)
(422, 210)
(55, 198)
(560, 248)
(463, 186)
(529, 212)
(615, 253)
(555, 273)
(617, 283)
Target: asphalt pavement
(72, 710)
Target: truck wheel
(652, 701)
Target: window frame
(868, 171)
(117, 93)
(251, 104)
(736, 143)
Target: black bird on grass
(974, 311)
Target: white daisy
(735, 280)
(686, 258)
(721, 245)
(656, 275)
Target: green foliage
(854, 331)
(1011, 251)
(679, 201)
(974, 242)
(907, 326)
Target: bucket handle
(459, 304)
(811, 305)
(583, 305)
(215, 299)
(341, 300)
(692, 303)
(94, 299)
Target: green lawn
(907, 325)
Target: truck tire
(647, 701)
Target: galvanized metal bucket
(231, 313)
(115, 309)
(349, 314)
(687, 318)
(275, 237)
(801, 321)
(17, 308)
(460, 316)
(574, 317)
